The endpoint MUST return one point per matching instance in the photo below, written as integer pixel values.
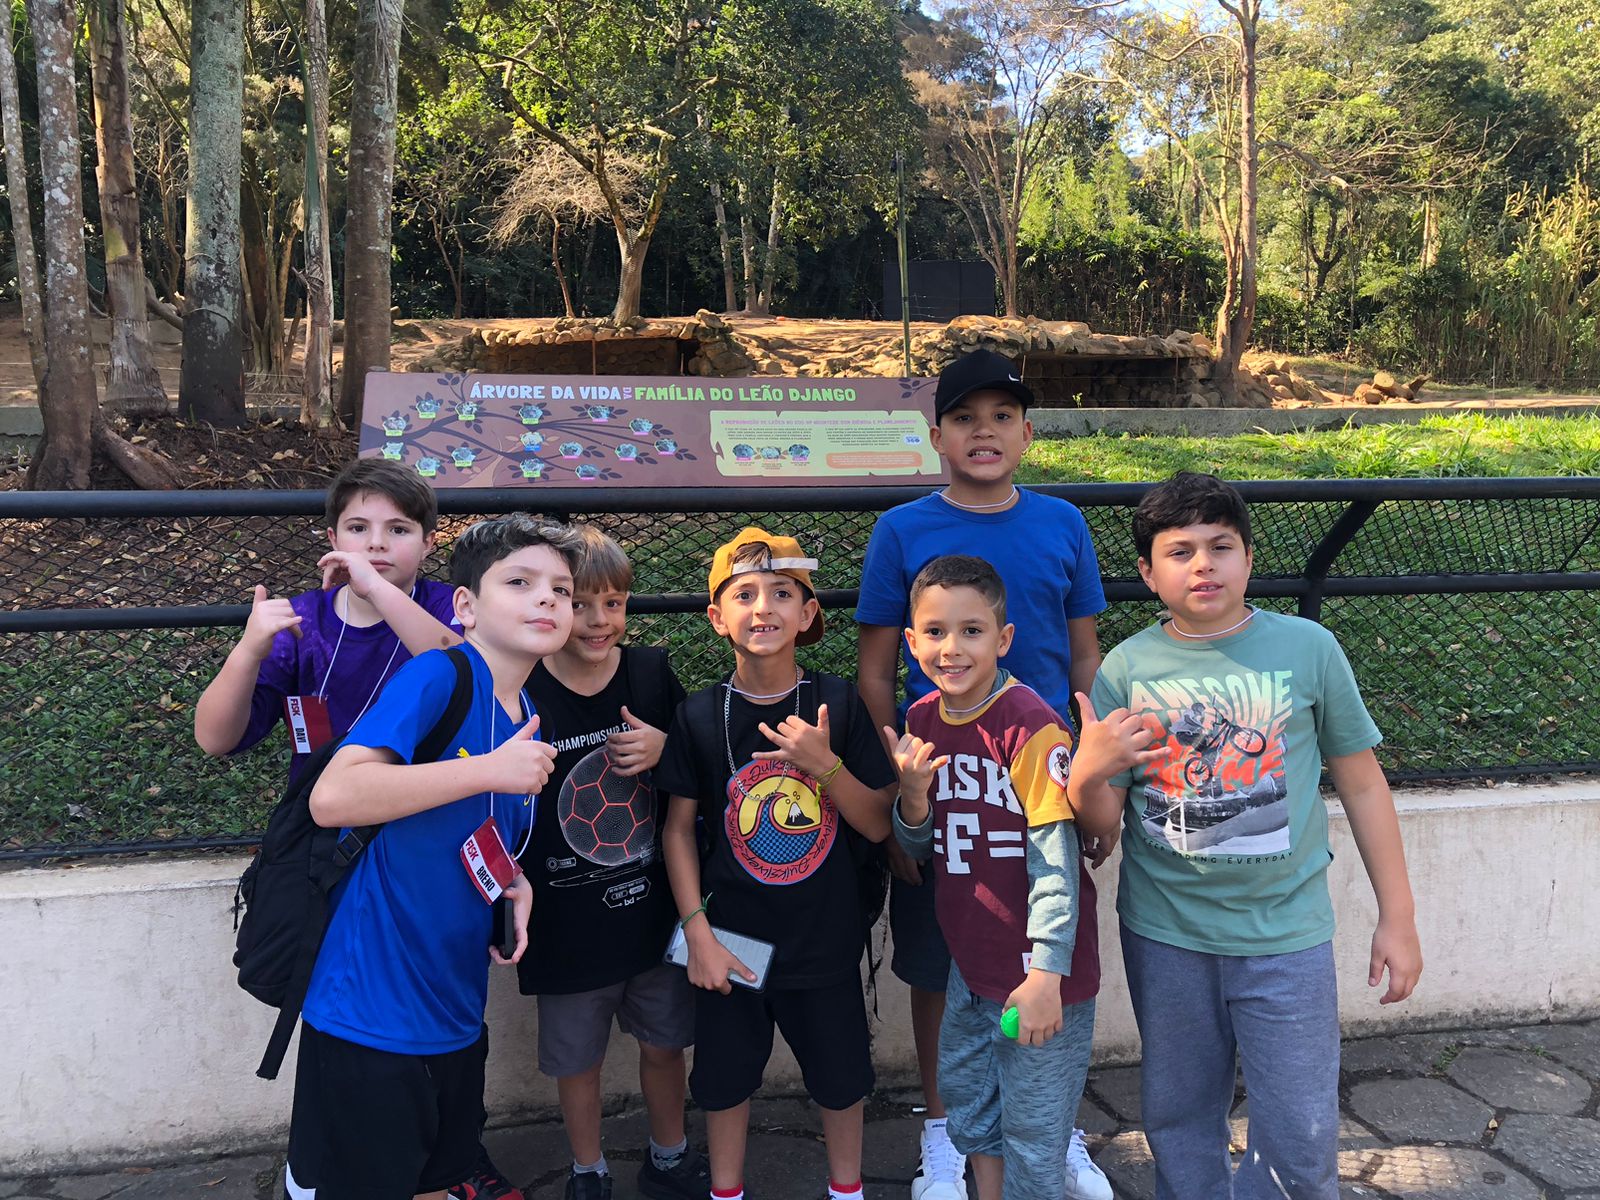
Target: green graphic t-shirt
(1225, 843)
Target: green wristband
(704, 900)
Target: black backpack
(280, 909)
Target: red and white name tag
(309, 726)
(490, 867)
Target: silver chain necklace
(1172, 624)
(727, 723)
(945, 496)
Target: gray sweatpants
(1279, 1013)
(1014, 1102)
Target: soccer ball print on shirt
(608, 818)
(779, 825)
(1222, 788)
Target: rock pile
(1384, 386)
(1276, 381)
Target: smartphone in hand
(503, 935)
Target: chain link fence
(1467, 607)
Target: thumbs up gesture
(636, 748)
(521, 763)
(1114, 743)
(805, 745)
(268, 618)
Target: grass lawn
(96, 737)
(1441, 447)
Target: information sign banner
(648, 431)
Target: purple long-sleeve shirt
(361, 662)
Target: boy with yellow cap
(789, 775)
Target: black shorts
(826, 1027)
(373, 1125)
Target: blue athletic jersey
(1041, 548)
(405, 965)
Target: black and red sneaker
(485, 1183)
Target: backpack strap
(647, 671)
(350, 844)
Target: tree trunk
(370, 193)
(747, 246)
(211, 385)
(555, 261)
(21, 210)
(67, 399)
(633, 250)
(133, 386)
(769, 269)
(1430, 232)
(263, 306)
(730, 291)
(316, 398)
(1238, 313)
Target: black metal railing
(1467, 607)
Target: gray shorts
(655, 1006)
(921, 958)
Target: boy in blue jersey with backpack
(390, 1080)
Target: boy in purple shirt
(317, 662)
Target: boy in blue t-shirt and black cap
(1040, 547)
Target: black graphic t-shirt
(782, 863)
(602, 907)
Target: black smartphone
(504, 927)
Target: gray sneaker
(687, 1178)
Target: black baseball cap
(978, 371)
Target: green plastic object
(1010, 1023)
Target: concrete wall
(124, 1035)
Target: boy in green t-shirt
(1218, 720)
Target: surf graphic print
(1222, 789)
(780, 825)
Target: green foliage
(1130, 277)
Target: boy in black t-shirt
(791, 779)
(603, 908)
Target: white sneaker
(944, 1168)
(1085, 1181)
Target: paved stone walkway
(1489, 1114)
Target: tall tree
(316, 400)
(133, 385)
(211, 385)
(550, 187)
(369, 194)
(21, 209)
(67, 397)
(986, 79)
(599, 80)
(788, 123)
(1156, 55)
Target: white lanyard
(527, 715)
(322, 691)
